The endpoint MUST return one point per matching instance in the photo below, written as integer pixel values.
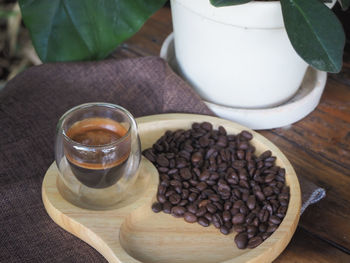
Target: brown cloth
(30, 106)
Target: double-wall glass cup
(97, 153)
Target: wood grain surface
(317, 146)
(132, 232)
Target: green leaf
(345, 4)
(315, 33)
(69, 30)
(219, 3)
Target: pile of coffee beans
(210, 177)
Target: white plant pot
(237, 56)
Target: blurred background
(17, 52)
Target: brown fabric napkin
(30, 106)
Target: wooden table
(318, 147)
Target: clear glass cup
(97, 153)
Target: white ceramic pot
(236, 56)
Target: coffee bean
(265, 235)
(265, 155)
(271, 228)
(157, 207)
(241, 240)
(183, 203)
(260, 195)
(275, 220)
(238, 219)
(214, 198)
(201, 211)
(206, 126)
(175, 199)
(211, 208)
(189, 217)
(211, 177)
(192, 197)
(224, 230)
(169, 193)
(201, 186)
(161, 198)
(251, 202)
(203, 221)
(167, 207)
(185, 173)
(177, 211)
(196, 157)
(226, 215)
(262, 227)
(208, 216)
(247, 135)
(254, 242)
(239, 228)
(251, 230)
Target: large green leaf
(68, 30)
(345, 4)
(315, 33)
(219, 3)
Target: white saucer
(305, 100)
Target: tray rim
(259, 254)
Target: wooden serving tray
(131, 232)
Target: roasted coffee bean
(189, 217)
(201, 211)
(211, 208)
(251, 202)
(239, 228)
(201, 186)
(206, 126)
(192, 197)
(192, 208)
(185, 173)
(224, 230)
(226, 215)
(214, 198)
(265, 235)
(238, 204)
(254, 242)
(163, 169)
(183, 202)
(241, 240)
(204, 203)
(227, 205)
(167, 207)
(161, 198)
(175, 199)
(238, 219)
(247, 135)
(203, 221)
(208, 216)
(162, 161)
(169, 193)
(251, 230)
(260, 195)
(244, 210)
(196, 157)
(265, 155)
(211, 177)
(218, 206)
(157, 207)
(177, 211)
(275, 220)
(262, 227)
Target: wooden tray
(133, 233)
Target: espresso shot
(100, 151)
